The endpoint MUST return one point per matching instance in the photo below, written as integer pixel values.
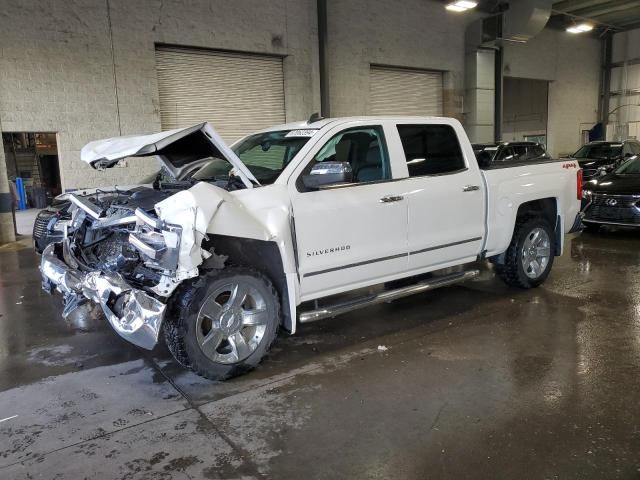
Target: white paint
(433, 211)
(8, 418)
(355, 217)
(191, 209)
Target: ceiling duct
(525, 19)
(520, 21)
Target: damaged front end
(134, 314)
(127, 259)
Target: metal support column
(498, 104)
(322, 53)
(605, 79)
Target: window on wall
(431, 149)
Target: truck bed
(515, 183)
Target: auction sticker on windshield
(301, 133)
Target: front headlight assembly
(158, 242)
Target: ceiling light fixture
(580, 28)
(461, 5)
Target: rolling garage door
(404, 92)
(236, 93)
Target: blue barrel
(22, 194)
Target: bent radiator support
(386, 296)
(133, 314)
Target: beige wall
(57, 73)
(572, 65)
(57, 70)
(525, 108)
(414, 33)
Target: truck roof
(323, 122)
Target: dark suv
(507, 153)
(600, 158)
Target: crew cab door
(445, 194)
(352, 234)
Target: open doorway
(525, 110)
(32, 161)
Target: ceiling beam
(606, 9)
(571, 5)
(631, 26)
(626, 23)
(618, 17)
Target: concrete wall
(58, 60)
(413, 33)
(572, 65)
(57, 65)
(525, 108)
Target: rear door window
(431, 149)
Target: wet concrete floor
(475, 381)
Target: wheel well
(548, 209)
(544, 207)
(259, 254)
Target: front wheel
(530, 255)
(224, 322)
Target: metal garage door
(237, 93)
(404, 92)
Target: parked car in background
(503, 153)
(615, 198)
(600, 158)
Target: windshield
(632, 167)
(265, 154)
(599, 151)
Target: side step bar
(386, 296)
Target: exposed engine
(107, 232)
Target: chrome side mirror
(328, 173)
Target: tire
(207, 317)
(513, 271)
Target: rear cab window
(431, 149)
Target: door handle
(391, 198)
(470, 188)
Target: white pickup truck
(287, 219)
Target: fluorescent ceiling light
(580, 28)
(461, 5)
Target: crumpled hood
(177, 150)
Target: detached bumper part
(133, 314)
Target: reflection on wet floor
(474, 381)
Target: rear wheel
(224, 322)
(530, 255)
